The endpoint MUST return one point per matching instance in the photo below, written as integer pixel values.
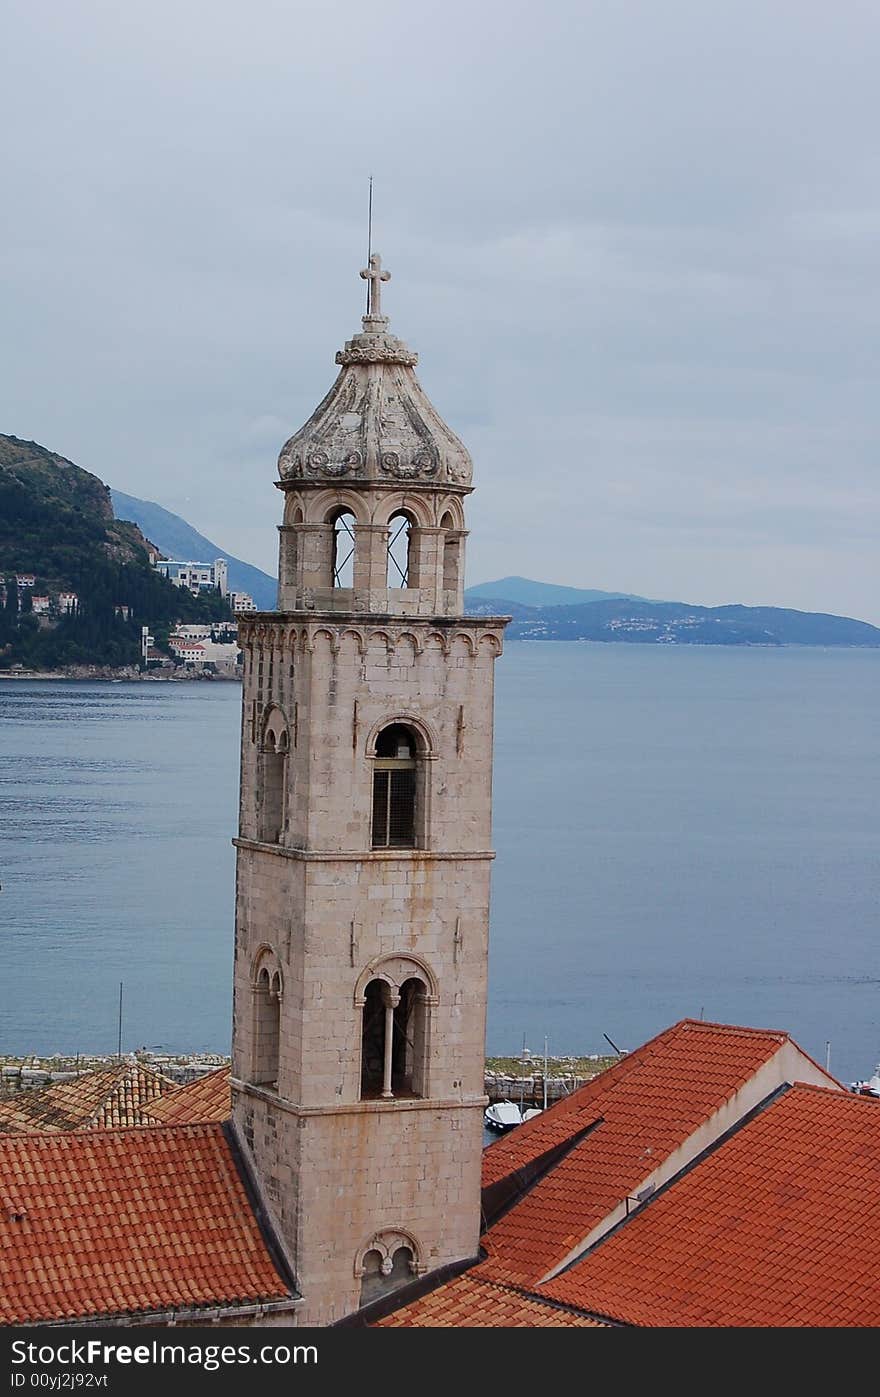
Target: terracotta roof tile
(124, 1094)
(776, 1227)
(126, 1221)
(646, 1107)
(206, 1099)
(468, 1302)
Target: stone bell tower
(364, 845)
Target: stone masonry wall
(329, 911)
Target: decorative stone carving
(376, 422)
(364, 349)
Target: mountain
(177, 539)
(529, 593)
(57, 526)
(677, 623)
(546, 610)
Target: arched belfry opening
(343, 548)
(400, 571)
(395, 789)
(394, 1040)
(274, 752)
(266, 1026)
(451, 554)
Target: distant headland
(80, 595)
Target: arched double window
(394, 1039)
(272, 796)
(384, 1274)
(389, 1260)
(266, 1025)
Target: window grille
(394, 790)
(343, 550)
(399, 545)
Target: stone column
(392, 999)
(370, 558)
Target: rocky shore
(129, 673)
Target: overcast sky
(636, 244)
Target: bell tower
(364, 846)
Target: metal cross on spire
(375, 276)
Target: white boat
(531, 1113)
(869, 1088)
(502, 1115)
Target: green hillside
(57, 523)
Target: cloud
(636, 246)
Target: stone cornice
(371, 1107)
(366, 619)
(365, 855)
(450, 487)
(301, 630)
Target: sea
(680, 832)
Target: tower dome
(376, 425)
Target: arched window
(394, 1040)
(266, 1027)
(384, 1273)
(273, 779)
(408, 1047)
(343, 549)
(399, 551)
(451, 556)
(373, 1039)
(394, 789)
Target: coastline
(108, 675)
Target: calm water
(679, 832)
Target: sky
(637, 246)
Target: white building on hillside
(242, 601)
(191, 652)
(196, 577)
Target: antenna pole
(369, 241)
(119, 1034)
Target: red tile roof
(97, 1223)
(208, 1098)
(776, 1227)
(125, 1094)
(471, 1303)
(643, 1109)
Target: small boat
(502, 1115)
(531, 1113)
(869, 1088)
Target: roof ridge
(46, 1137)
(739, 1029)
(539, 1299)
(840, 1090)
